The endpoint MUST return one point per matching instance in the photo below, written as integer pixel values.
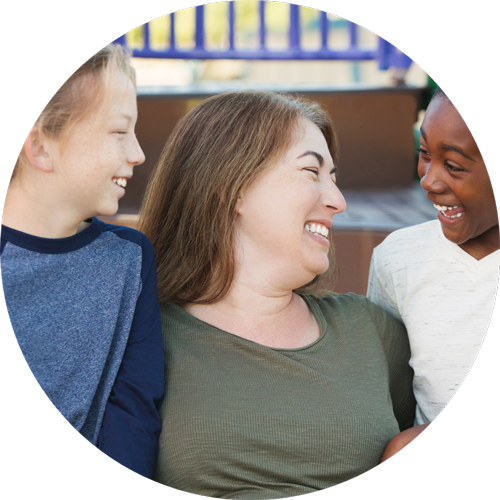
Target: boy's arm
(399, 441)
(132, 424)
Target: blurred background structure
(374, 93)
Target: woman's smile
(318, 232)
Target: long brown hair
(218, 149)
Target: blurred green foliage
(216, 24)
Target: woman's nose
(334, 199)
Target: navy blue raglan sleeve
(132, 424)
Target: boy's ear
(37, 150)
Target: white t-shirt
(445, 298)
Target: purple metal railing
(386, 54)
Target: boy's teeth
(444, 208)
(455, 216)
(121, 181)
(317, 229)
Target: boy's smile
(100, 152)
(454, 175)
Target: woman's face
(286, 214)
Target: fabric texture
(242, 420)
(445, 297)
(85, 312)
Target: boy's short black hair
(439, 94)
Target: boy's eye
(423, 151)
(453, 168)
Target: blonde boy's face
(99, 153)
(453, 173)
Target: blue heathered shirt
(85, 312)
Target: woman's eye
(313, 170)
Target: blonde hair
(82, 92)
(217, 150)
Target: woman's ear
(239, 205)
(37, 150)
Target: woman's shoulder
(333, 299)
(341, 302)
(359, 321)
(352, 306)
(176, 320)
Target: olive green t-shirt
(242, 420)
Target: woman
(271, 391)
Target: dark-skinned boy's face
(453, 173)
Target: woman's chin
(312, 272)
(321, 266)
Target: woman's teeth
(121, 181)
(317, 229)
(443, 210)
